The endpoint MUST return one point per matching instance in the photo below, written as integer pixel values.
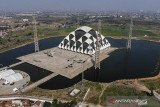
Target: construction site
(83, 49)
(79, 51)
(76, 53)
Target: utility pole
(82, 63)
(98, 45)
(35, 35)
(130, 35)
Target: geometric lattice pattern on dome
(83, 40)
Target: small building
(10, 76)
(14, 77)
(37, 104)
(5, 73)
(145, 35)
(15, 103)
(74, 92)
(15, 90)
(25, 20)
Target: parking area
(11, 88)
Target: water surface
(138, 63)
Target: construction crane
(98, 45)
(35, 35)
(130, 35)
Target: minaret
(35, 35)
(98, 46)
(130, 35)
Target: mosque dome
(83, 40)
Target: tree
(73, 102)
(152, 94)
(47, 104)
(55, 102)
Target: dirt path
(141, 87)
(134, 80)
(104, 87)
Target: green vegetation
(56, 94)
(19, 38)
(122, 91)
(111, 27)
(95, 91)
(47, 104)
(9, 46)
(120, 30)
(152, 84)
(153, 102)
(62, 32)
(114, 90)
(56, 103)
(156, 70)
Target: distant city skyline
(75, 5)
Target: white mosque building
(83, 40)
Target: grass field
(152, 84)
(61, 94)
(108, 29)
(94, 93)
(92, 97)
(95, 90)
(114, 90)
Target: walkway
(41, 81)
(104, 88)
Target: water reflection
(96, 74)
(126, 63)
(140, 62)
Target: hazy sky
(21, 5)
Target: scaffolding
(130, 35)
(98, 46)
(35, 35)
